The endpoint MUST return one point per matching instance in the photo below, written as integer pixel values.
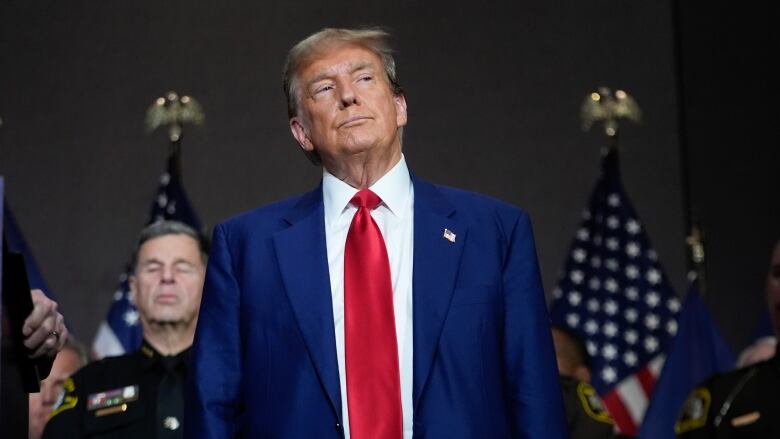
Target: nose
(348, 96)
(167, 275)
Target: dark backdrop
(493, 91)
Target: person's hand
(44, 330)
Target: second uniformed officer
(744, 403)
(586, 415)
(140, 395)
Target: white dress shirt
(394, 216)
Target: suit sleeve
(533, 388)
(213, 403)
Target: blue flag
(17, 244)
(121, 330)
(614, 293)
(697, 352)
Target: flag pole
(696, 241)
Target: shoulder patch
(66, 400)
(694, 412)
(591, 403)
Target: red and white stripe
(628, 400)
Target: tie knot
(366, 198)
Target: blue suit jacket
(264, 359)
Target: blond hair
(373, 39)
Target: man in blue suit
(378, 305)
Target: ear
(299, 132)
(132, 282)
(400, 110)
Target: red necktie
(373, 379)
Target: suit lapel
(436, 261)
(303, 262)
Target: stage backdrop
(493, 91)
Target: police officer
(585, 413)
(744, 403)
(140, 395)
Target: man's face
(168, 280)
(41, 404)
(773, 289)
(346, 107)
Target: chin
(168, 320)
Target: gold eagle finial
(173, 111)
(604, 106)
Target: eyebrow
(360, 65)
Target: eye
(366, 78)
(323, 88)
(184, 268)
(152, 268)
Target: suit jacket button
(339, 428)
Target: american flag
(615, 295)
(121, 330)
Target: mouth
(167, 298)
(352, 121)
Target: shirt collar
(150, 356)
(392, 188)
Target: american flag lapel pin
(449, 236)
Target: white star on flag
(653, 276)
(629, 358)
(609, 352)
(632, 249)
(610, 329)
(131, 317)
(673, 304)
(652, 321)
(651, 344)
(633, 227)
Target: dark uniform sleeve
(65, 419)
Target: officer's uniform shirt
(138, 395)
(744, 404)
(585, 413)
